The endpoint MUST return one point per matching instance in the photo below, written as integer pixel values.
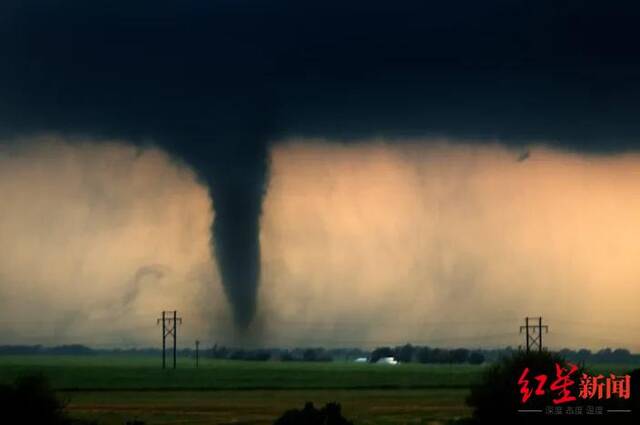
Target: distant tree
(219, 352)
(21, 349)
(379, 353)
(440, 355)
(286, 356)
(309, 355)
(476, 358)
(257, 355)
(603, 355)
(316, 355)
(423, 355)
(405, 353)
(459, 355)
(354, 353)
(583, 355)
(567, 353)
(73, 349)
(620, 355)
(237, 354)
(325, 356)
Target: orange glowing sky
(427, 241)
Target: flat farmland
(145, 373)
(262, 407)
(114, 389)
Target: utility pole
(527, 328)
(169, 327)
(546, 328)
(175, 328)
(164, 339)
(197, 346)
(533, 333)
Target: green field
(113, 389)
(144, 373)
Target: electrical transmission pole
(533, 333)
(197, 346)
(169, 327)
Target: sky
(436, 242)
(211, 102)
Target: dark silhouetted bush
(328, 415)
(31, 400)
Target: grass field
(144, 373)
(113, 389)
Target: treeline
(313, 354)
(309, 354)
(606, 355)
(424, 354)
(39, 349)
(405, 353)
(408, 353)
(78, 350)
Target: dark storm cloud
(215, 82)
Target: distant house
(387, 360)
(361, 360)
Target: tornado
(230, 156)
(237, 188)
